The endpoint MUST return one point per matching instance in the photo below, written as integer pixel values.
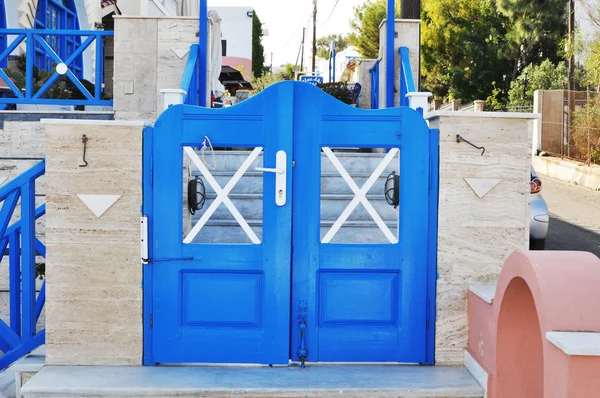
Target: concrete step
(314, 381)
(251, 207)
(230, 161)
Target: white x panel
(222, 194)
(360, 195)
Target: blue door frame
(309, 120)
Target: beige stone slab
(28, 139)
(116, 140)
(109, 311)
(505, 206)
(68, 262)
(117, 351)
(451, 334)
(451, 296)
(506, 161)
(482, 130)
(84, 290)
(92, 336)
(480, 252)
(449, 356)
(136, 30)
(98, 180)
(69, 211)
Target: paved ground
(575, 216)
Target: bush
(260, 83)
(585, 136)
(339, 91)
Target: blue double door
(290, 293)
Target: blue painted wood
(14, 277)
(189, 76)
(361, 301)
(196, 308)
(13, 355)
(390, 56)
(3, 64)
(20, 338)
(386, 321)
(434, 178)
(407, 83)
(147, 211)
(203, 53)
(375, 85)
(37, 44)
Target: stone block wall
(93, 271)
(364, 79)
(476, 235)
(150, 55)
(407, 35)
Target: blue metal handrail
(189, 81)
(31, 37)
(332, 55)
(374, 71)
(21, 337)
(407, 82)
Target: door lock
(280, 171)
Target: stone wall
(93, 271)
(476, 235)
(407, 35)
(150, 55)
(364, 79)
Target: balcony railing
(189, 81)
(407, 82)
(20, 336)
(30, 91)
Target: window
(224, 47)
(58, 15)
(3, 43)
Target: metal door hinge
(151, 321)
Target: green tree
(592, 64)
(324, 43)
(365, 26)
(258, 51)
(535, 31)
(462, 47)
(545, 76)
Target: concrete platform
(314, 381)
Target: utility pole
(314, 49)
(302, 49)
(571, 72)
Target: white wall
(236, 28)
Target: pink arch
(537, 292)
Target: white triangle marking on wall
(180, 52)
(482, 186)
(98, 204)
(3, 179)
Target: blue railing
(40, 38)
(21, 337)
(189, 81)
(407, 82)
(374, 70)
(332, 55)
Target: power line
(334, 6)
(296, 31)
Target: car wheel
(537, 244)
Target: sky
(285, 18)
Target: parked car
(539, 214)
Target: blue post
(29, 66)
(390, 54)
(202, 52)
(99, 67)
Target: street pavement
(574, 216)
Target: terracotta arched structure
(538, 292)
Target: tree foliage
(324, 43)
(258, 51)
(535, 31)
(462, 48)
(545, 76)
(365, 26)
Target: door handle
(280, 171)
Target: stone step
(230, 161)
(236, 381)
(250, 206)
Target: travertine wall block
(93, 271)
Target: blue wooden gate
(315, 265)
